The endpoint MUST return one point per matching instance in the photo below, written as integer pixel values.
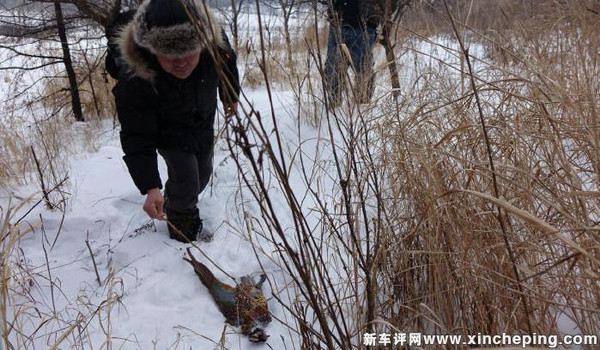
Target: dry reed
(457, 209)
(398, 225)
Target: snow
(158, 300)
(102, 273)
(147, 296)
(106, 276)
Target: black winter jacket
(158, 111)
(357, 13)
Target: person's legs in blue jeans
(360, 44)
(335, 66)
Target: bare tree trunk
(62, 33)
(394, 11)
(390, 58)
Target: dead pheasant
(244, 306)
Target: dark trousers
(189, 174)
(360, 44)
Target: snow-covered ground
(105, 269)
(101, 273)
(157, 300)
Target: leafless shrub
(38, 116)
(467, 205)
(408, 218)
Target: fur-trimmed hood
(141, 38)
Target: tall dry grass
(524, 257)
(452, 209)
(468, 205)
(32, 307)
(39, 136)
(38, 132)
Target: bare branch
(30, 55)
(29, 68)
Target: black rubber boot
(187, 225)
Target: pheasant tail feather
(206, 276)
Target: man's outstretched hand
(154, 204)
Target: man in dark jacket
(353, 23)
(166, 98)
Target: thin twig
(45, 192)
(87, 243)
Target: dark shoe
(184, 226)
